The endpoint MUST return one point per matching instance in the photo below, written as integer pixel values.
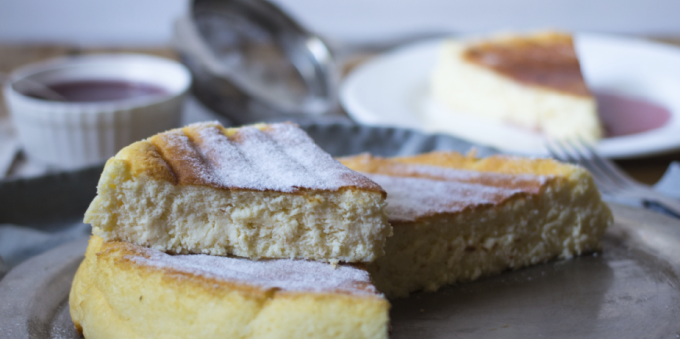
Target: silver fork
(610, 179)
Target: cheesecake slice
(531, 81)
(261, 191)
(123, 290)
(457, 218)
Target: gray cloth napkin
(18, 243)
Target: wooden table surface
(648, 170)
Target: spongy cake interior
(261, 192)
(507, 214)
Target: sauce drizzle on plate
(622, 115)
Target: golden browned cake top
(409, 167)
(416, 191)
(503, 164)
(546, 60)
(276, 157)
(283, 275)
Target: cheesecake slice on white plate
(531, 81)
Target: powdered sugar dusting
(526, 182)
(409, 199)
(298, 145)
(281, 158)
(284, 274)
(186, 162)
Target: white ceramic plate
(392, 90)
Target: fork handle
(655, 206)
(671, 205)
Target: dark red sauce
(100, 90)
(622, 115)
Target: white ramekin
(70, 135)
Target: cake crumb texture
(453, 225)
(261, 191)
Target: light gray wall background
(148, 22)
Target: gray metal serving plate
(629, 290)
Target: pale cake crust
(126, 291)
(262, 191)
(532, 81)
(457, 218)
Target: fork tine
(616, 173)
(553, 151)
(580, 157)
(603, 181)
(558, 151)
(562, 152)
(586, 155)
(582, 160)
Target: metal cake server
(251, 61)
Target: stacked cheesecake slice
(256, 232)
(228, 233)
(264, 191)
